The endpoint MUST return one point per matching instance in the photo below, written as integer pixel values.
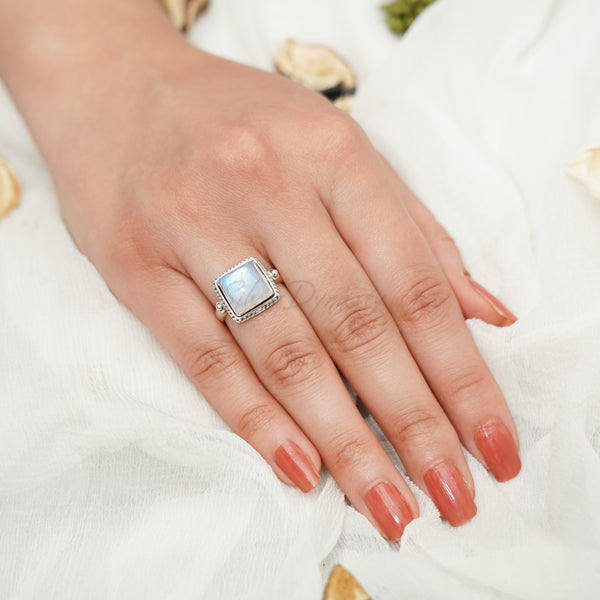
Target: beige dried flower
(183, 13)
(10, 189)
(318, 68)
(585, 167)
(343, 586)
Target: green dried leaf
(400, 14)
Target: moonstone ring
(245, 290)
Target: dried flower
(343, 586)
(183, 13)
(318, 68)
(585, 167)
(10, 189)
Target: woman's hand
(173, 165)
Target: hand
(173, 165)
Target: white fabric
(118, 481)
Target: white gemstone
(245, 288)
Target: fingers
(295, 368)
(292, 363)
(394, 253)
(359, 333)
(394, 327)
(213, 361)
(474, 299)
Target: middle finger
(361, 336)
(371, 218)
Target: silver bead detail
(273, 274)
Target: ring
(245, 290)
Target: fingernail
(507, 317)
(450, 493)
(390, 509)
(499, 450)
(294, 463)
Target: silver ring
(245, 290)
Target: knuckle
(292, 362)
(359, 326)
(214, 361)
(445, 239)
(465, 385)
(254, 420)
(434, 231)
(340, 134)
(347, 452)
(245, 151)
(415, 426)
(427, 298)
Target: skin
(171, 165)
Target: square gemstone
(245, 287)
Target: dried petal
(194, 9)
(10, 189)
(318, 68)
(345, 102)
(183, 13)
(176, 9)
(343, 586)
(585, 167)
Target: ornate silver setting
(246, 290)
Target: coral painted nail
(293, 462)
(507, 318)
(390, 509)
(499, 450)
(450, 493)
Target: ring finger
(293, 365)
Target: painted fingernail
(390, 509)
(294, 463)
(499, 450)
(450, 493)
(507, 318)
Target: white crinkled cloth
(118, 481)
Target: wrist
(61, 58)
(44, 34)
